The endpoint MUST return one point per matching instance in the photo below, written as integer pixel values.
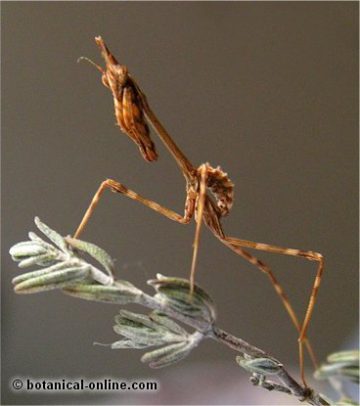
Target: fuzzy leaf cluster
(175, 294)
(343, 365)
(156, 329)
(60, 262)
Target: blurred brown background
(267, 90)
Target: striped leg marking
(117, 187)
(237, 245)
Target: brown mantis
(133, 114)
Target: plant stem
(289, 384)
(236, 343)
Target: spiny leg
(199, 217)
(237, 244)
(120, 188)
(188, 172)
(286, 302)
(310, 255)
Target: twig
(65, 269)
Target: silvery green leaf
(41, 272)
(36, 251)
(33, 236)
(347, 402)
(168, 355)
(164, 320)
(139, 333)
(53, 280)
(351, 373)
(140, 328)
(26, 249)
(29, 253)
(262, 366)
(327, 371)
(53, 236)
(175, 293)
(124, 344)
(42, 260)
(345, 356)
(343, 365)
(135, 320)
(121, 292)
(93, 250)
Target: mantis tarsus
(133, 114)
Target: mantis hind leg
(238, 246)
